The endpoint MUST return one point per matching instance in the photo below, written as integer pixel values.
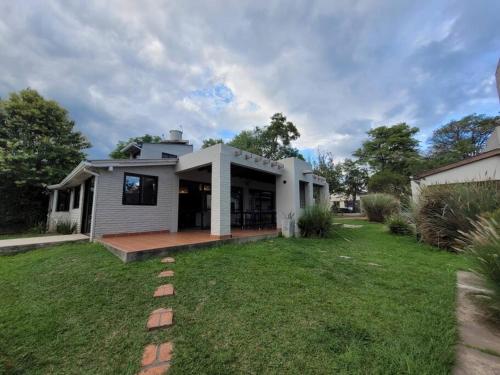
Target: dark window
(261, 200)
(140, 189)
(63, 200)
(166, 155)
(302, 193)
(76, 197)
(317, 194)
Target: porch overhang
(87, 168)
(75, 177)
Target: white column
(325, 195)
(54, 200)
(221, 196)
(309, 194)
(80, 206)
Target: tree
(38, 146)
(211, 142)
(389, 182)
(273, 141)
(276, 138)
(355, 179)
(248, 140)
(326, 167)
(390, 147)
(461, 139)
(146, 138)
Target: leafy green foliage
(482, 245)
(316, 221)
(277, 137)
(355, 179)
(388, 182)
(65, 227)
(249, 140)
(273, 141)
(38, 146)
(444, 210)
(379, 206)
(331, 171)
(146, 138)
(398, 224)
(392, 153)
(461, 139)
(391, 148)
(211, 142)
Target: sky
(213, 68)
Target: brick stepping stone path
(160, 318)
(168, 260)
(164, 290)
(156, 359)
(167, 273)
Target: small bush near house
(444, 210)
(482, 244)
(379, 206)
(316, 221)
(65, 227)
(399, 224)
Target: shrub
(482, 244)
(379, 206)
(444, 210)
(65, 227)
(399, 224)
(316, 221)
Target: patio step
(168, 260)
(143, 246)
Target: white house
(168, 187)
(482, 167)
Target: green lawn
(278, 306)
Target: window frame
(67, 204)
(302, 194)
(141, 187)
(76, 197)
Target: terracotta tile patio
(134, 247)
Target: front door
(195, 200)
(88, 199)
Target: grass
(278, 306)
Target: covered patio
(140, 246)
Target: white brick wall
(112, 216)
(221, 196)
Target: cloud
(336, 69)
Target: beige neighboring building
(344, 202)
(482, 167)
(169, 187)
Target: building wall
(112, 216)
(481, 170)
(288, 187)
(154, 150)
